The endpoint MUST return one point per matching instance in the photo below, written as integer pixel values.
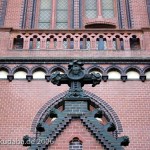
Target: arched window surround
(75, 142)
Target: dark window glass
(135, 43)
(18, 43)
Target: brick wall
(21, 100)
(76, 129)
(13, 14)
(4, 41)
(74, 54)
(139, 13)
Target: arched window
(91, 8)
(45, 14)
(62, 14)
(75, 144)
(107, 8)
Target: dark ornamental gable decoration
(76, 78)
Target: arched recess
(96, 102)
(20, 72)
(146, 71)
(75, 142)
(4, 71)
(61, 69)
(3, 74)
(133, 72)
(39, 72)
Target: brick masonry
(140, 19)
(20, 101)
(13, 14)
(76, 129)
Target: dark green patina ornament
(76, 106)
(76, 78)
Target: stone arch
(58, 67)
(146, 72)
(135, 68)
(57, 101)
(42, 68)
(4, 72)
(117, 68)
(6, 68)
(100, 69)
(147, 68)
(18, 68)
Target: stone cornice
(44, 60)
(5, 29)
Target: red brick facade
(22, 103)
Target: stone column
(76, 14)
(99, 8)
(43, 44)
(53, 23)
(127, 44)
(26, 44)
(76, 44)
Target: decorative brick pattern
(120, 13)
(24, 103)
(89, 39)
(109, 112)
(76, 14)
(76, 130)
(14, 14)
(141, 8)
(30, 14)
(117, 94)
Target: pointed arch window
(45, 14)
(62, 14)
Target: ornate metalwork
(76, 78)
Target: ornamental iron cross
(76, 78)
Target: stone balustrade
(77, 39)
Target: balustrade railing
(77, 40)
